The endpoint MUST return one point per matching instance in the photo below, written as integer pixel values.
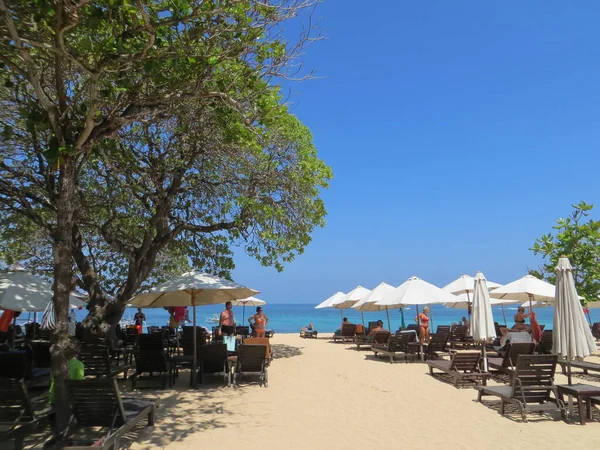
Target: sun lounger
(546, 343)
(98, 403)
(531, 386)
(583, 365)
(261, 341)
(17, 364)
(437, 347)
(213, 360)
(397, 345)
(462, 367)
(17, 415)
(154, 363)
(380, 337)
(251, 361)
(347, 333)
(508, 362)
(309, 334)
(97, 362)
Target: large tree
(578, 237)
(82, 79)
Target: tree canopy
(138, 137)
(578, 237)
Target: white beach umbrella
(465, 285)
(327, 303)
(535, 304)
(528, 288)
(22, 291)
(571, 337)
(482, 324)
(368, 302)
(191, 289)
(415, 291)
(250, 301)
(350, 298)
(464, 302)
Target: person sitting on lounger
(465, 322)
(339, 332)
(375, 329)
(520, 317)
(309, 328)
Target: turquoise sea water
(290, 318)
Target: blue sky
(458, 132)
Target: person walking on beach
(423, 322)
(139, 317)
(258, 322)
(226, 322)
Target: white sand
(330, 396)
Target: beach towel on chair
(230, 341)
(536, 330)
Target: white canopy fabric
(327, 303)
(23, 291)
(367, 303)
(463, 302)
(191, 289)
(250, 301)
(350, 298)
(482, 321)
(466, 284)
(525, 289)
(572, 337)
(535, 304)
(415, 291)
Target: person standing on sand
(260, 322)
(226, 322)
(423, 322)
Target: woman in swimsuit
(423, 322)
(520, 317)
(260, 322)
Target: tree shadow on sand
(285, 351)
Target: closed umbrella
(368, 302)
(571, 337)
(191, 289)
(250, 301)
(482, 324)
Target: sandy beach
(323, 395)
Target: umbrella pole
(430, 318)
(194, 362)
(469, 306)
(387, 313)
(403, 323)
(243, 312)
(503, 314)
(485, 361)
(362, 315)
(35, 321)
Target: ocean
(290, 318)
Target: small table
(582, 392)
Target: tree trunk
(63, 271)
(102, 319)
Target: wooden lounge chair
(347, 333)
(309, 334)
(596, 330)
(583, 365)
(98, 363)
(435, 348)
(261, 341)
(213, 360)
(17, 415)
(545, 345)
(396, 345)
(98, 403)
(458, 336)
(462, 367)
(251, 361)
(156, 364)
(509, 361)
(530, 388)
(380, 337)
(19, 366)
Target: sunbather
(520, 317)
(423, 322)
(339, 332)
(308, 328)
